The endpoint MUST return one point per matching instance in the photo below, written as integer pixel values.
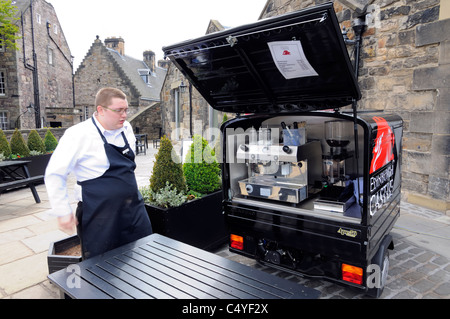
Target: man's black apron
(112, 213)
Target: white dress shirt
(80, 151)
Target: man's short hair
(105, 96)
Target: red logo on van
(286, 52)
(383, 151)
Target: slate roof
(21, 5)
(130, 67)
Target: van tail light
(352, 274)
(236, 242)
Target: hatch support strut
(251, 68)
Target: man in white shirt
(99, 152)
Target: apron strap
(104, 138)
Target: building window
(145, 75)
(177, 114)
(3, 120)
(50, 56)
(38, 18)
(214, 124)
(86, 112)
(55, 29)
(2, 83)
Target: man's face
(114, 115)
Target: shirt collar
(110, 132)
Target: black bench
(29, 181)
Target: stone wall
(57, 132)
(55, 77)
(148, 121)
(404, 69)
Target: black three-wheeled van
(308, 186)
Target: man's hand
(68, 223)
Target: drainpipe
(190, 110)
(359, 25)
(33, 68)
(37, 102)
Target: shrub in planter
(167, 170)
(198, 222)
(5, 149)
(18, 145)
(50, 141)
(165, 197)
(201, 170)
(35, 143)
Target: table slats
(163, 268)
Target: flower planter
(37, 164)
(199, 223)
(55, 260)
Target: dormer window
(145, 75)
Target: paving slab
(23, 273)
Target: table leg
(31, 186)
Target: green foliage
(224, 118)
(201, 170)
(50, 141)
(167, 170)
(8, 28)
(18, 145)
(35, 143)
(166, 197)
(5, 149)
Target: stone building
(141, 80)
(404, 69)
(36, 87)
(184, 111)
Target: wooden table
(162, 268)
(15, 174)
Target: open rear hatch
(293, 62)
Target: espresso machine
(277, 163)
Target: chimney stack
(117, 44)
(149, 59)
(163, 64)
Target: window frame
(50, 56)
(3, 83)
(4, 120)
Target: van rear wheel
(377, 278)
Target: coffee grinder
(337, 135)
